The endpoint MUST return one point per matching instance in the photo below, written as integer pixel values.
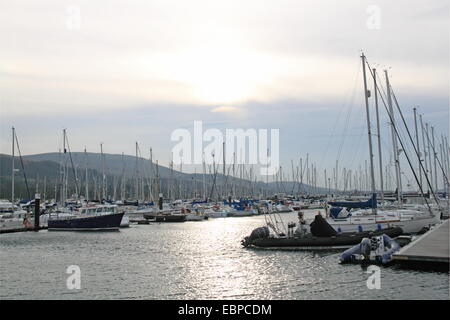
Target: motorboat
(90, 218)
(321, 236)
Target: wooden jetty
(431, 248)
(22, 229)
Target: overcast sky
(126, 71)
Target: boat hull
(408, 225)
(194, 217)
(106, 222)
(243, 213)
(218, 214)
(170, 218)
(310, 242)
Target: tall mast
(151, 174)
(224, 173)
(234, 174)
(336, 173)
(378, 133)
(136, 182)
(122, 185)
(267, 171)
(424, 149)
(301, 175)
(157, 178)
(447, 168)
(114, 188)
(13, 169)
(435, 157)
(394, 141)
(366, 97)
(293, 176)
(61, 181)
(103, 171)
(44, 198)
(86, 191)
(444, 173)
(366, 177)
(64, 193)
(223, 156)
(430, 163)
(180, 183)
(204, 173)
(418, 145)
(307, 169)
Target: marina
(193, 260)
(225, 150)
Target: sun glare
(219, 76)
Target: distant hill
(43, 174)
(114, 163)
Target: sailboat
(364, 216)
(11, 215)
(87, 219)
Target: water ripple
(192, 260)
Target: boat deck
(432, 247)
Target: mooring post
(160, 201)
(37, 204)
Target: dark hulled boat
(170, 218)
(322, 236)
(341, 240)
(104, 222)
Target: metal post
(160, 201)
(37, 204)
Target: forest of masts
(429, 164)
(222, 181)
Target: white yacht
(11, 216)
(411, 221)
(218, 211)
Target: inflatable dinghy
(377, 249)
(261, 239)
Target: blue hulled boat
(103, 222)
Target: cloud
(147, 67)
(225, 109)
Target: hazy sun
(218, 76)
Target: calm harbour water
(191, 260)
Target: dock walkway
(432, 247)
